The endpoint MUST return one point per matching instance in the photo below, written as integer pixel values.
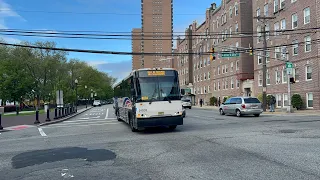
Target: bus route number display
(156, 73)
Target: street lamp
(76, 83)
(85, 87)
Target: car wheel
(173, 127)
(238, 113)
(190, 107)
(257, 115)
(221, 112)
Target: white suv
(186, 103)
(96, 103)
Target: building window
(295, 47)
(292, 1)
(205, 76)
(214, 86)
(218, 70)
(230, 12)
(259, 34)
(238, 83)
(223, 70)
(236, 27)
(267, 56)
(275, 5)
(306, 15)
(258, 14)
(284, 76)
(260, 79)
(308, 73)
(277, 53)
(218, 85)
(295, 74)
(294, 21)
(226, 84)
(205, 90)
(307, 44)
(208, 75)
(282, 4)
(276, 28)
(231, 66)
(208, 89)
(237, 65)
(278, 77)
(226, 67)
(309, 100)
(259, 58)
(236, 9)
(266, 10)
(268, 77)
(279, 100)
(283, 24)
(284, 54)
(232, 85)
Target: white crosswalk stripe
(84, 122)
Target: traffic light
(212, 56)
(292, 80)
(251, 52)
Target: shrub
(260, 97)
(213, 101)
(296, 101)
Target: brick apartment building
(136, 47)
(289, 15)
(156, 34)
(223, 76)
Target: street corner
(16, 128)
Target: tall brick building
(156, 33)
(223, 76)
(303, 53)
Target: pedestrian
(201, 102)
(219, 101)
(272, 103)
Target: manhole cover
(288, 131)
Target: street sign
(289, 65)
(227, 55)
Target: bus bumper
(160, 121)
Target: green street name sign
(289, 65)
(227, 55)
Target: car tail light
(243, 106)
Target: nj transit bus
(149, 98)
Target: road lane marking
(93, 120)
(107, 114)
(80, 125)
(86, 122)
(42, 132)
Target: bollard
(48, 115)
(70, 109)
(62, 112)
(65, 112)
(0, 122)
(37, 118)
(55, 113)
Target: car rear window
(251, 100)
(186, 100)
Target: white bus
(149, 98)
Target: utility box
(1, 110)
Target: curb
(64, 119)
(204, 108)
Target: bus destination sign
(156, 73)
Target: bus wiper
(169, 100)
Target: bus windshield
(164, 88)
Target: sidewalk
(278, 111)
(8, 121)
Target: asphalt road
(94, 145)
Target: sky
(91, 15)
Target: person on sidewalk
(219, 102)
(272, 103)
(201, 102)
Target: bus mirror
(182, 91)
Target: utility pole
(264, 61)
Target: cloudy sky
(91, 15)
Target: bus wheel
(133, 129)
(173, 127)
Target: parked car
(241, 106)
(186, 103)
(96, 103)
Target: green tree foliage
(39, 73)
(213, 101)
